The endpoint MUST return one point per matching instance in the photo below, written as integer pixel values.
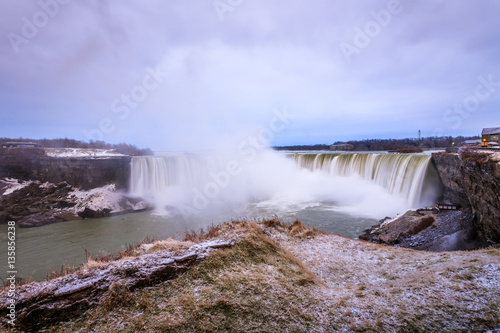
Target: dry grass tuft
(117, 296)
(65, 269)
(275, 224)
(168, 244)
(131, 250)
(93, 264)
(201, 235)
(297, 229)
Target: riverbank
(34, 204)
(271, 277)
(428, 231)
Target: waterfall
(405, 175)
(154, 174)
(202, 180)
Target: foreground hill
(267, 277)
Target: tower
(419, 132)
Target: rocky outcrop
(33, 204)
(472, 179)
(428, 231)
(84, 172)
(41, 303)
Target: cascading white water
(155, 174)
(365, 184)
(399, 174)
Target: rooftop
(489, 131)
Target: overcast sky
(175, 75)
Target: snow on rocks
(33, 203)
(10, 185)
(81, 152)
(99, 198)
(495, 157)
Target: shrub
(474, 156)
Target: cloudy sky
(175, 75)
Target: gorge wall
(474, 182)
(86, 173)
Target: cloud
(226, 76)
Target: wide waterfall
(407, 175)
(364, 184)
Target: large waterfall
(405, 175)
(366, 183)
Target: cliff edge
(473, 178)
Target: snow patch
(495, 157)
(96, 199)
(14, 185)
(388, 221)
(82, 152)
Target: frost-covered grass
(295, 279)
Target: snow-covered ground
(13, 185)
(81, 152)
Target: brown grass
(65, 269)
(297, 229)
(170, 244)
(474, 156)
(201, 235)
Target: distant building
(20, 144)
(342, 146)
(472, 143)
(490, 137)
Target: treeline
(123, 148)
(390, 144)
(305, 147)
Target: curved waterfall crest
(399, 174)
(409, 177)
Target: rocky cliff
(83, 172)
(473, 179)
(42, 186)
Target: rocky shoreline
(34, 204)
(443, 231)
